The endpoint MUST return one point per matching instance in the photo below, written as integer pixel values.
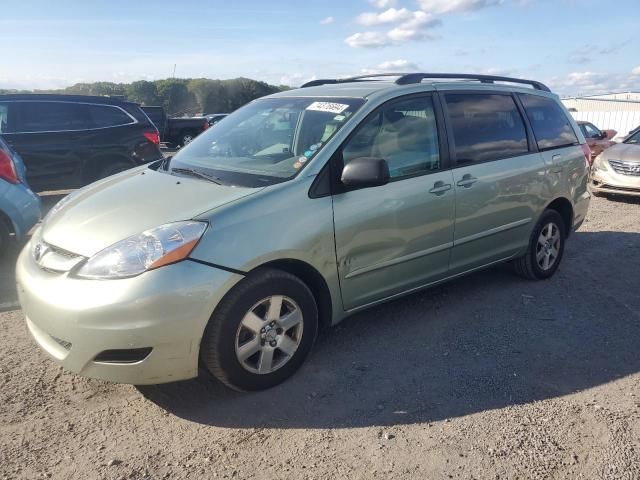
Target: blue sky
(577, 46)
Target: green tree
(176, 98)
(143, 92)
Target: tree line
(179, 96)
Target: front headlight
(600, 164)
(150, 249)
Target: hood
(113, 209)
(625, 152)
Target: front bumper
(75, 320)
(608, 181)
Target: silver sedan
(617, 169)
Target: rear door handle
(466, 181)
(440, 188)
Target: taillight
(153, 137)
(206, 125)
(587, 154)
(7, 168)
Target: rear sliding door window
(485, 127)
(550, 124)
(51, 117)
(102, 116)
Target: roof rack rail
(358, 78)
(410, 78)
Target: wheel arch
(564, 207)
(313, 279)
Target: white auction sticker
(328, 107)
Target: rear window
(550, 124)
(51, 117)
(485, 127)
(106, 116)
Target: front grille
(618, 189)
(129, 355)
(625, 168)
(54, 259)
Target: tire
(186, 138)
(6, 240)
(113, 168)
(530, 265)
(232, 333)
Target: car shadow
(486, 341)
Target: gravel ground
(486, 377)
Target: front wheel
(261, 332)
(546, 247)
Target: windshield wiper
(197, 174)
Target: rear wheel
(261, 332)
(187, 138)
(546, 247)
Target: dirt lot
(486, 377)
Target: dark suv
(68, 141)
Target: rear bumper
(165, 310)
(21, 206)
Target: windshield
(266, 142)
(634, 138)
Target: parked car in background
(158, 116)
(181, 131)
(617, 169)
(296, 211)
(67, 141)
(214, 118)
(598, 140)
(19, 206)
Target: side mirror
(364, 172)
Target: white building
(616, 111)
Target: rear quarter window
(550, 124)
(51, 117)
(485, 127)
(102, 116)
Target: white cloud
(368, 40)
(383, 3)
(391, 15)
(326, 21)
(450, 6)
(409, 26)
(584, 83)
(390, 66)
(296, 79)
(415, 28)
(636, 71)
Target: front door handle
(467, 180)
(440, 188)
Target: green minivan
(294, 212)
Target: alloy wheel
(269, 334)
(548, 246)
